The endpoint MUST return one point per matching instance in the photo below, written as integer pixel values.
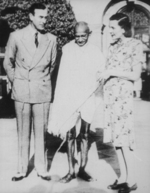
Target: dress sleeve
(137, 54)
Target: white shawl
(76, 83)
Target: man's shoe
(18, 177)
(44, 177)
(68, 178)
(116, 186)
(14, 179)
(48, 178)
(84, 176)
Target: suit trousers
(28, 114)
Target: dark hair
(123, 22)
(36, 6)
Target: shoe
(84, 176)
(18, 177)
(116, 186)
(44, 177)
(48, 178)
(112, 185)
(68, 178)
(14, 179)
(128, 189)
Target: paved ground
(100, 169)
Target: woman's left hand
(104, 75)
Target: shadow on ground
(7, 107)
(105, 151)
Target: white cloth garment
(74, 95)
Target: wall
(91, 11)
(106, 37)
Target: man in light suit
(29, 62)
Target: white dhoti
(63, 118)
(74, 95)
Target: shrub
(61, 19)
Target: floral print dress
(118, 93)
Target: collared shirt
(33, 31)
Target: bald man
(74, 100)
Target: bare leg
(122, 177)
(84, 151)
(130, 165)
(127, 177)
(121, 181)
(130, 177)
(70, 153)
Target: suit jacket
(30, 71)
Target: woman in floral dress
(123, 67)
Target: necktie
(36, 39)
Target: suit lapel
(28, 41)
(40, 51)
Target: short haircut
(123, 22)
(36, 6)
(84, 25)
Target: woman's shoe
(116, 186)
(112, 185)
(128, 189)
(67, 178)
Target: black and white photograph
(74, 96)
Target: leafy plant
(61, 19)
